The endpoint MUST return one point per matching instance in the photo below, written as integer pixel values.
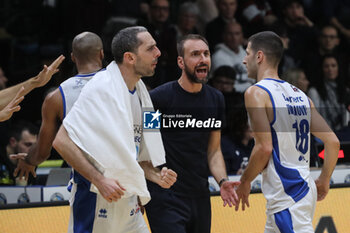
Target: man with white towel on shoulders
(102, 138)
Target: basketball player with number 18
(282, 118)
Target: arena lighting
(340, 154)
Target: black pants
(168, 212)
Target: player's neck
(129, 76)
(89, 68)
(267, 73)
(189, 86)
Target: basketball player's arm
(52, 114)
(109, 188)
(218, 169)
(8, 94)
(320, 129)
(256, 102)
(165, 178)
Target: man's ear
(102, 55)
(72, 57)
(129, 58)
(260, 56)
(12, 141)
(180, 62)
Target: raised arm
(320, 129)
(257, 102)
(8, 94)
(218, 169)
(12, 106)
(110, 189)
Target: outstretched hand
(23, 168)
(45, 75)
(243, 192)
(13, 106)
(228, 192)
(167, 178)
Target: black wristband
(222, 181)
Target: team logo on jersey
(79, 82)
(294, 88)
(302, 158)
(102, 213)
(151, 120)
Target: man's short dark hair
(181, 42)
(126, 41)
(19, 127)
(288, 3)
(269, 43)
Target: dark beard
(192, 77)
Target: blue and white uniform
(90, 212)
(286, 182)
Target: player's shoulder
(256, 90)
(53, 101)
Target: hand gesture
(322, 188)
(228, 193)
(13, 106)
(110, 189)
(167, 178)
(243, 192)
(23, 168)
(45, 75)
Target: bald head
(86, 47)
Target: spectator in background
(256, 15)
(215, 28)
(300, 29)
(328, 43)
(187, 20)
(232, 53)
(3, 79)
(297, 78)
(22, 136)
(165, 35)
(328, 95)
(130, 8)
(208, 11)
(224, 79)
(337, 13)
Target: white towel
(101, 124)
